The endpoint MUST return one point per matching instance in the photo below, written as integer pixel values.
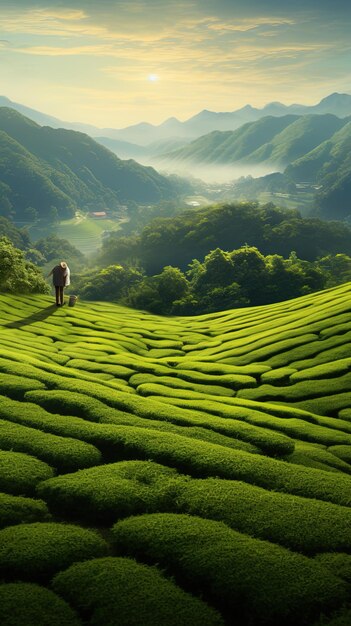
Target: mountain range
(42, 167)
(277, 141)
(202, 123)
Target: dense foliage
(220, 257)
(17, 275)
(193, 234)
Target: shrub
(28, 604)
(322, 371)
(109, 492)
(339, 564)
(278, 517)
(340, 618)
(15, 387)
(37, 551)
(153, 415)
(342, 452)
(202, 459)
(177, 383)
(17, 509)
(120, 591)
(300, 390)
(20, 473)
(312, 455)
(255, 580)
(63, 453)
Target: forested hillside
(276, 140)
(45, 168)
(192, 234)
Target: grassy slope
(241, 418)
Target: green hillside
(274, 140)
(329, 166)
(231, 146)
(297, 139)
(175, 471)
(42, 167)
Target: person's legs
(61, 295)
(57, 294)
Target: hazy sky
(118, 62)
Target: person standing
(60, 275)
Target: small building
(98, 214)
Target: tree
(16, 274)
(249, 270)
(111, 283)
(31, 214)
(218, 271)
(157, 293)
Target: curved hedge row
(108, 492)
(20, 473)
(278, 517)
(28, 604)
(120, 591)
(254, 580)
(64, 453)
(17, 509)
(104, 494)
(37, 551)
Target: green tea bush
(17, 509)
(37, 551)
(326, 405)
(278, 517)
(27, 376)
(28, 604)
(339, 564)
(90, 409)
(15, 387)
(254, 580)
(68, 403)
(345, 414)
(313, 351)
(299, 391)
(277, 376)
(268, 441)
(63, 453)
(220, 369)
(20, 473)
(202, 459)
(306, 452)
(119, 371)
(340, 618)
(177, 383)
(325, 370)
(234, 381)
(342, 452)
(108, 492)
(248, 354)
(120, 591)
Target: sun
(153, 78)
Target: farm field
(186, 471)
(83, 232)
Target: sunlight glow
(153, 78)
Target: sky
(113, 63)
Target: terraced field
(175, 471)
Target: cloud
(245, 25)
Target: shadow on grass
(31, 319)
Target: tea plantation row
(175, 471)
